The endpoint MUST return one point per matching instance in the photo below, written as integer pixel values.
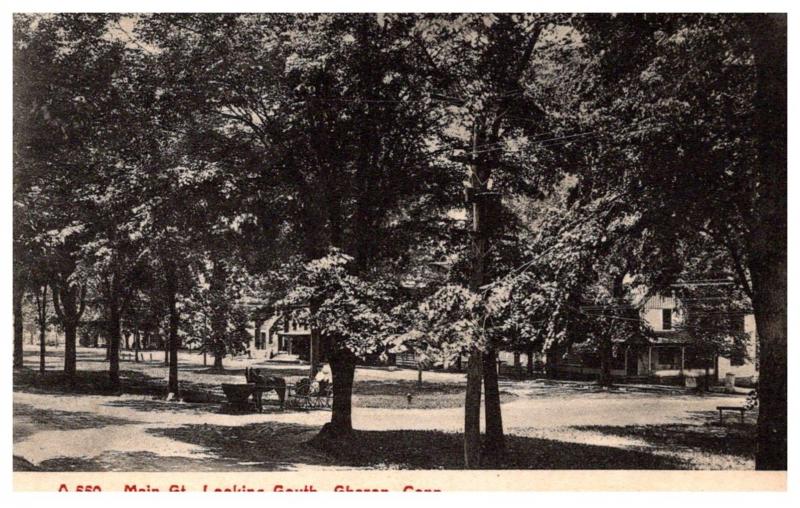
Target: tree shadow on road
(707, 436)
(120, 462)
(276, 446)
(282, 447)
(86, 383)
(198, 408)
(98, 383)
(29, 420)
(237, 375)
(54, 419)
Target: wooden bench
(741, 410)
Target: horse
(264, 383)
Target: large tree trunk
(42, 347)
(494, 446)
(770, 313)
(343, 368)
(136, 344)
(19, 293)
(552, 361)
(529, 365)
(218, 362)
(219, 317)
(114, 338)
(70, 350)
(69, 302)
(607, 340)
(173, 387)
(606, 352)
(41, 309)
(472, 411)
(768, 262)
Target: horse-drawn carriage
(305, 394)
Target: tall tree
(487, 74)
(69, 303)
(315, 115)
(68, 129)
(352, 315)
(697, 145)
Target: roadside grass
(427, 395)
(419, 401)
(195, 389)
(403, 387)
(87, 382)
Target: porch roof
(295, 333)
(672, 337)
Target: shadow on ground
(239, 373)
(81, 356)
(198, 408)
(273, 446)
(120, 462)
(86, 383)
(418, 400)
(707, 436)
(374, 394)
(403, 387)
(283, 447)
(97, 383)
(29, 420)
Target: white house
(281, 335)
(669, 352)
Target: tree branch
(57, 302)
(83, 302)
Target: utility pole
(478, 193)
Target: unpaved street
(110, 432)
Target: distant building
(668, 353)
(281, 334)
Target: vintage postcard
(303, 252)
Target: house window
(263, 339)
(666, 319)
(669, 358)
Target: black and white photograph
(308, 242)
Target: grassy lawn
(199, 386)
(428, 395)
